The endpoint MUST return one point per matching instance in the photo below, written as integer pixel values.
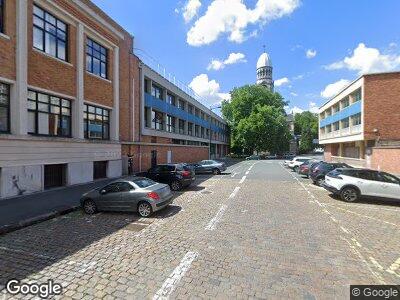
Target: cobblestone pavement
(258, 231)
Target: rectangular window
(146, 117)
(146, 86)
(181, 127)
(48, 115)
(50, 34)
(4, 107)
(96, 58)
(190, 128)
(170, 99)
(202, 132)
(197, 130)
(157, 120)
(329, 128)
(345, 123)
(335, 126)
(356, 119)
(336, 108)
(96, 122)
(170, 123)
(156, 92)
(181, 104)
(2, 16)
(345, 102)
(357, 95)
(190, 109)
(207, 133)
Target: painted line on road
(394, 267)
(172, 281)
(235, 191)
(242, 180)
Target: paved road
(258, 231)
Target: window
(357, 95)
(144, 182)
(202, 132)
(336, 108)
(345, 102)
(190, 128)
(197, 130)
(335, 126)
(157, 120)
(2, 16)
(345, 123)
(48, 115)
(356, 119)
(181, 104)
(124, 186)
(190, 109)
(170, 99)
(96, 58)
(111, 188)
(146, 86)
(49, 34)
(181, 127)
(146, 117)
(156, 92)
(170, 123)
(385, 177)
(96, 122)
(4, 107)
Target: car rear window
(143, 182)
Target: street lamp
(209, 146)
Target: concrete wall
(79, 172)
(114, 168)
(20, 180)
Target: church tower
(264, 71)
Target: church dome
(264, 61)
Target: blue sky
(344, 38)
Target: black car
(318, 172)
(177, 176)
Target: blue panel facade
(349, 111)
(165, 107)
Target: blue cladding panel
(165, 107)
(351, 110)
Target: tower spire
(265, 47)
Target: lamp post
(209, 146)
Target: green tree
(257, 120)
(306, 125)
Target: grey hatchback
(136, 194)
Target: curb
(35, 220)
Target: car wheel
(176, 185)
(349, 194)
(144, 209)
(296, 169)
(89, 207)
(320, 181)
(216, 171)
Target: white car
(351, 184)
(296, 162)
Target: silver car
(206, 166)
(135, 194)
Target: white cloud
(232, 17)
(281, 81)
(190, 10)
(312, 107)
(233, 58)
(310, 53)
(209, 90)
(334, 88)
(367, 60)
(293, 94)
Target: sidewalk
(22, 211)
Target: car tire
(216, 171)
(176, 185)
(89, 207)
(144, 209)
(349, 194)
(296, 169)
(320, 181)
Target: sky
(317, 47)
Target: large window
(356, 119)
(157, 120)
(49, 34)
(181, 127)
(181, 104)
(156, 91)
(48, 115)
(96, 122)
(4, 107)
(2, 16)
(170, 123)
(190, 109)
(170, 99)
(190, 128)
(96, 58)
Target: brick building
(70, 93)
(360, 125)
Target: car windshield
(144, 182)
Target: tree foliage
(257, 120)
(306, 125)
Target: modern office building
(361, 124)
(60, 94)
(171, 124)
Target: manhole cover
(134, 227)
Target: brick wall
(328, 153)
(386, 159)
(381, 106)
(7, 46)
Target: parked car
(136, 194)
(207, 166)
(296, 162)
(317, 175)
(305, 167)
(253, 157)
(177, 176)
(352, 184)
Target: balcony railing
(341, 132)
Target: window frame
(154, 121)
(6, 106)
(37, 111)
(2, 16)
(86, 114)
(91, 45)
(170, 126)
(44, 31)
(156, 89)
(171, 100)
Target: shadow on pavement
(365, 200)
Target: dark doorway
(153, 158)
(54, 176)
(99, 169)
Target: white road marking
(247, 172)
(171, 282)
(235, 191)
(242, 180)
(375, 263)
(213, 223)
(394, 267)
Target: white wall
(21, 180)
(114, 168)
(79, 172)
